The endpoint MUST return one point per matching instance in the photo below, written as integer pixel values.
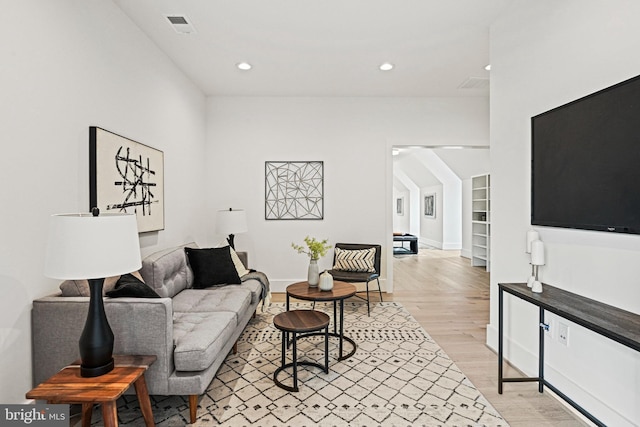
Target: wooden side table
(297, 322)
(67, 387)
(340, 292)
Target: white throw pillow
(358, 260)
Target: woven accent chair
(358, 276)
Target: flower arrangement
(315, 249)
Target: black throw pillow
(129, 285)
(212, 266)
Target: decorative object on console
(126, 176)
(326, 281)
(231, 222)
(315, 249)
(294, 190)
(537, 259)
(531, 236)
(93, 246)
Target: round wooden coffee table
(340, 292)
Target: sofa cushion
(166, 272)
(212, 266)
(199, 338)
(80, 288)
(232, 298)
(129, 285)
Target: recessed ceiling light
(244, 66)
(488, 67)
(386, 66)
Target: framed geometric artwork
(430, 205)
(126, 176)
(293, 190)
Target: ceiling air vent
(475, 83)
(180, 24)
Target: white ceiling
(325, 47)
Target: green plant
(315, 249)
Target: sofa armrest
(140, 326)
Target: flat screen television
(585, 163)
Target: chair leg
(379, 290)
(368, 310)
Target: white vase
(326, 281)
(313, 274)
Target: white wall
(544, 54)
(353, 136)
(68, 65)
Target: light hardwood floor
(450, 299)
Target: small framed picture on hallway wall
(430, 205)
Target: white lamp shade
(83, 246)
(531, 236)
(537, 252)
(231, 221)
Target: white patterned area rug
(398, 377)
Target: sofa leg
(193, 407)
(235, 347)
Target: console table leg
(500, 332)
(541, 352)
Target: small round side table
(298, 322)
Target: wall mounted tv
(585, 163)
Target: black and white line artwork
(294, 190)
(126, 176)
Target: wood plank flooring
(450, 299)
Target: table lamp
(231, 222)
(531, 236)
(93, 246)
(537, 259)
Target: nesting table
(299, 322)
(340, 292)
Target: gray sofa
(191, 331)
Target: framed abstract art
(126, 176)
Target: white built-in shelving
(480, 220)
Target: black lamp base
(96, 371)
(230, 241)
(96, 341)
